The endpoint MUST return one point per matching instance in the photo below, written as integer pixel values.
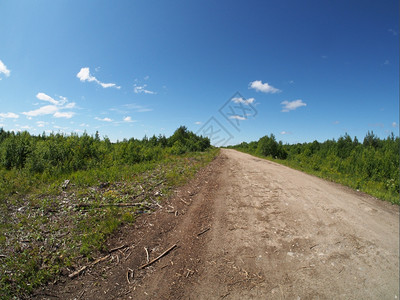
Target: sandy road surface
(275, 233)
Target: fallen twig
(313, 246)
(183, 201)
(76, 273)
(147, 255)
(203, 231)
(117, 248)
(158, 257)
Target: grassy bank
(58, 218)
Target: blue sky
(304, 70)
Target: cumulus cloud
(84, 75)
(394, 124)
(4, 70)
(242, 100)
(44, 97)
(128, 119)
(67, 114)
(104, 119)
(292, 105)
(9, 115)
(44, 110)
(198, 123)
(54, 109)
(141, 89)
(263, 87)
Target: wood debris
(158, 257)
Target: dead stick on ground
(184, 201)
(76, 273)
(117, 248)
(157, 258)
(147, 255)
(203, 231)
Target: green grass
(42, 232)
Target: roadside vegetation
(61, 196)
(371, 166)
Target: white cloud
(44, 97)
(292, 105)
(244, 101)
(394, 124)
(9, 115)
(128, 119)
(263, 87)
(3, 69)
(142, 89)
(386, 62)
(54, 109)
(236, 117)
(285, 132)
(198, 123)
(336, 122)
(44, 110)
(84, 75)
(104, 119)
(67, 114)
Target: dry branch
(183, 201)
(117, 248)
(203, 231)
(158, 257)
(76, 273)
(147, 255)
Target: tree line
(59, 153)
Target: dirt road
(274, 233)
